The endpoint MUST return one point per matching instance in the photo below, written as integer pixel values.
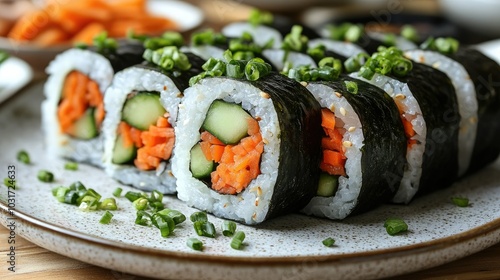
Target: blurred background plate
(14, 75)
(187, 17)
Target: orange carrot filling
(408, 127)
(238, 164)
(79, 93)
(153, 145)
(333, 160)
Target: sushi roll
(363, 144)
(247, 150)
(337, 49)
(73, 111)
(141, 106)
(428, 107)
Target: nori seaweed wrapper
(485, 74)
(127, 54)
(299, 116)
(180, 78)
(384, 152)
(437, 99)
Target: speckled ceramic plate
(289, 247)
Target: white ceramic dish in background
(289, 247)
(184, 14)
(479, 15)
(14, 74)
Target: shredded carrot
(333, 161)
(238, 164)
(408, 127)
(79, 93)
(156, 145)
(78, 21)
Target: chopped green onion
(131, 35)
(105, 44)
(140, 218)
(460, 201)
(351, 86)
(208, 37)
(409, 32)
(346, 32)
(140, 203)
(177, 216)
(228, 228)
(235, 69)
(156, 206)
(117, 192)
(77, 186)
(23, 157)
(317, 52)
(45, 176)
(106, 218)
(60, 193)
(9, 183)
(89, 203)
(166, 40)
(71, 197)
(386, 61)
(329, 242)
(443, 45)
(108, 204)
(198, 216)
(71, 165)
(389, 39)
(88, 193)
(244, 44)
(168, 58)
(395, 225)
(195, 244)
(237, 240)
(133, 196)
(156, 196)
(329, 70)
(3, 56)
(204, 228)
(258, 17)
(256, 68)
(164, 223)
(295, 41)
(355, 62)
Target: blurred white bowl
(481, 16)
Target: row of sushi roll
(252, 123)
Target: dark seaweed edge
(128, 53)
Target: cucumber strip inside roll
(243, 148)
(466, 97)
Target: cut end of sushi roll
(73, 111)
(262, 34)
(233, 157)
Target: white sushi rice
(343, 202)
(278, 58)
(125, 82)
(59, 144)
(466, 97)
(252, 204)
(205, 51)
(403, 96)
(261, 34)
(346, 49)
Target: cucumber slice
(327, 185)
(122, 154)
(199, 165)
(84, 128)
(142, 110)
(226, 121)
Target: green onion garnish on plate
(195, 244)
(23, 157)
(228, 228)
(460, 201)
(106, 218)
(237, 241)
(329, 242)
(71, 166)
(204, 228)
(395, 226)
(45, 176)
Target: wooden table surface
(35, 262)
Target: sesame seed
(436, 65)
(347, 144)
(257, 201)
(400, 96)
(304, 84)
(240, 198)
(343, 111)
(259, 191)
(265, 141)
(352, 128)
(264, 94)
(338, 94)
(332, 108)
(254, 216)
(164, 87)
(473, 120)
